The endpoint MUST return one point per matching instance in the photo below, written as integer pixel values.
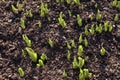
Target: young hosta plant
(106, 25)
(68, 54)
(69, 13)
(84, 74)
(43, 9)
(22, 23)
(27, 40)
(75, 63)
(80, 50)
(68, 46)
(40, 64)
(110, 27)
(73, 44)
(114, 3)
(51, 43)
(86, 31)
(64, 74)
(99, 28)
(79, 20)
(61, 20)
(116, 18)
(77, 1)
(102, 51)
(92, 31)
(29, 13)
(86, 42)
(98, 16)
(80, 62)
(43, 57)
(32, 54)
(14, 9)
(21, 72)
(80, 38)
(19, 6)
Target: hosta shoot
(27, 40)
(64, 74)
(61, 20)
(43, 57)
(22, 23)
(68, 54)
(102, 51)
(98, 17)
(51, 43)
(80, 38)
(79, 20)
(21, 72)
(32, 54)
(80, 50)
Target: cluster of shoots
(116, 3)
(43, 9)
(84, 74)
(29, 13)
(42, 60)
(18, 9)
(21, 72)
(27, 40)
(78, 62)
(79, 20)
(61, 20)
(32, 54)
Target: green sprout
(31, 53)
(99, 28)
(68, 46)
(61, 20)
(84, 74)
(22, 23)
(43, 9)
(80, 50)
(102, 51)
(68, 1)
(92, 31)
(98, 17)
(59, 1)
(15, 10)
(87, 74)
(68, 54)
(50, 43)
(116, 18)
(29, 13)
(40, 64)
(79, 20)
(81, 75)
(114, 3)
(96, 5)
(106, 24)
(19, 6)
(80, 38)
(118, 4)
(77, 1)
(73, 44)
(69, 13)
(27, 40)
(86, 31)
(86, 42)
(40, 24)
(110, 27)
(80, 62)
(91, 18)
(23, 53)
(64, 74)
(21, 72)
(43, 57)
(75, 63)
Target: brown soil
(11, 43)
